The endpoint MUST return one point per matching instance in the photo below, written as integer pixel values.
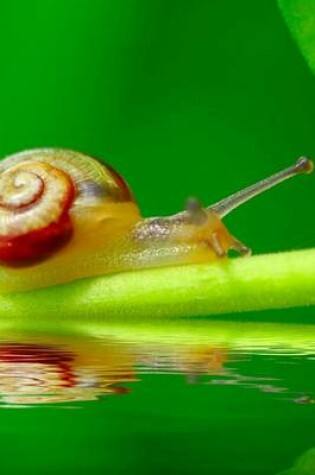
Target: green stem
(261, 282)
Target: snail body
(65, 216)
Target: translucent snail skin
(65, 216)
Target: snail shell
(46, 194)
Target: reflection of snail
(75, 217)
(48, 373)
(57, 369)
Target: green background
(183, 97)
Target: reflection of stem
(256, 283)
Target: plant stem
(261, 282)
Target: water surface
(183, 397)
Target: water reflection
(109, 360)
(50, 370)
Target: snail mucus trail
(65, 216)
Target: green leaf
(300, 17)
(305, 465)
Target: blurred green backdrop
(183, 98)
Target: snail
(65, 216)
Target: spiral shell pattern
(38, 191)
(32, 195)
(94, 181)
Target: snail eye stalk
(225, 206)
